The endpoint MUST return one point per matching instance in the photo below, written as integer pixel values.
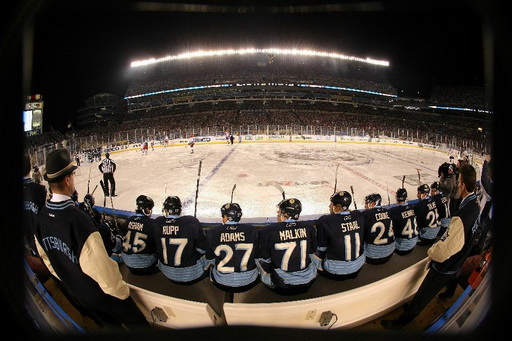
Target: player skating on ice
(191, 143)
(145, 148)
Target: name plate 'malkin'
(293, 234)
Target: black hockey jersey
(378, 226)
(72, 245)
(443, 206)
(233, 247)
(341, 236)
(404, 221)
(139, 249)
(288, 245)
(405, 227)
(34, 198)
(427, 218)
(379, 237)
(180, 240)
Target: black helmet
(89, 200)
(424, 189)
(401, 194)
(173, 205)
(342, 198)
(74, 196)
(232, 210)
(373, 197)
(144, 202)
(292, 207)
(107, 155)
(435, 185)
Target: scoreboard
(33, 115)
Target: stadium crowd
(314, 119)
(258, 68)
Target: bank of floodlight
(271, 51)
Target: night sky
(86, 49)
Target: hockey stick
(114, 215)
(387, 190)
(403, 180)
(276, 185)
(94, 190)
(197, 187)
(353, 196)
(104, 197)
(336, 178)
(89, 180)
(419, 176)
(232, 191)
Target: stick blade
(336, 178)
(232, 191)
(278, 186)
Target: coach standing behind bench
(72, 248)
(108, 167)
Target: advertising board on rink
(201, 140)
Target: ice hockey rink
(307, 171)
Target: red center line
(361, 175)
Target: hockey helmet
(89, 200)
(144, 202)
(292, 207)
(373, 198)
(401, 194)
(172, 204)
(231, 210)
(342, 198)
(424, 189)
(74, 196)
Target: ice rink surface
(306, 171)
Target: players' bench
(176, 306)
(377, 290)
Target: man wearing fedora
(72, 248)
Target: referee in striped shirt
(108, 167)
